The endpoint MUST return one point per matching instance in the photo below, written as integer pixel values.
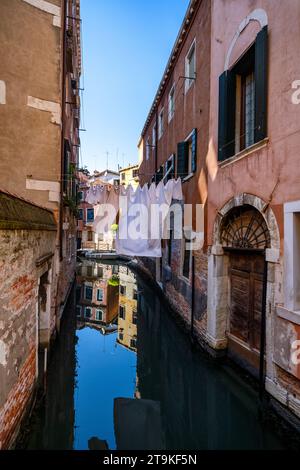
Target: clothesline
(142, 214)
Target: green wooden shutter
(227, 100)
(166, 170)
(159, 174)
(194, 151)
(261, 84)
(170, 164)
(172, 174)
(66, 164)
(182, 159)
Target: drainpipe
(63, 85)
(262, 376)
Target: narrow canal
(124, 376)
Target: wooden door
(246, 295)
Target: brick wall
(179, 291)
(18, 399)
(19, 278)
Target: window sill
(289, 315)
(244, 153)
(188, 177)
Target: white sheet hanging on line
(142, 218)
(96, 195)
(106, 209)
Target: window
(154, 136)
(78, 294)
(99, 315)
(161, 124)
(134, 317)
(159, 174)
(90, 215)
(121, 335)
(66, 163)
(123, 177)
(99, 271)
(122, 312)
(135, 173)
(148, 146)
(115, 269)
(135, 294)
(190, 67)
(90, 236)
(88, 312)
(170, 168)
(100, 295)
(78, 311)
(243, 100)
(187, 156)
(89, 271)
(123, 290)
(292, 256)
(171, 108)
(80, 195)
(80, 214)
(186, 259)
(133, 342)
(88, 293)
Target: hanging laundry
(97, 195)
(106, 208)
(143, 214)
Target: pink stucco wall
(273, 171)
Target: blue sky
(126, 45)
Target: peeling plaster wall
(19, 277)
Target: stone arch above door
(249, 201)
(244, 227)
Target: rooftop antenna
(117, 155)
(107, 155)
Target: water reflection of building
(97, 295)
(127, 321)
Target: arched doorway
(244, 236)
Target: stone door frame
(218, 277)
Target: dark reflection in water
(52, 423)
(137, 384)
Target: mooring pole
(193, 296)
(263, 334)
